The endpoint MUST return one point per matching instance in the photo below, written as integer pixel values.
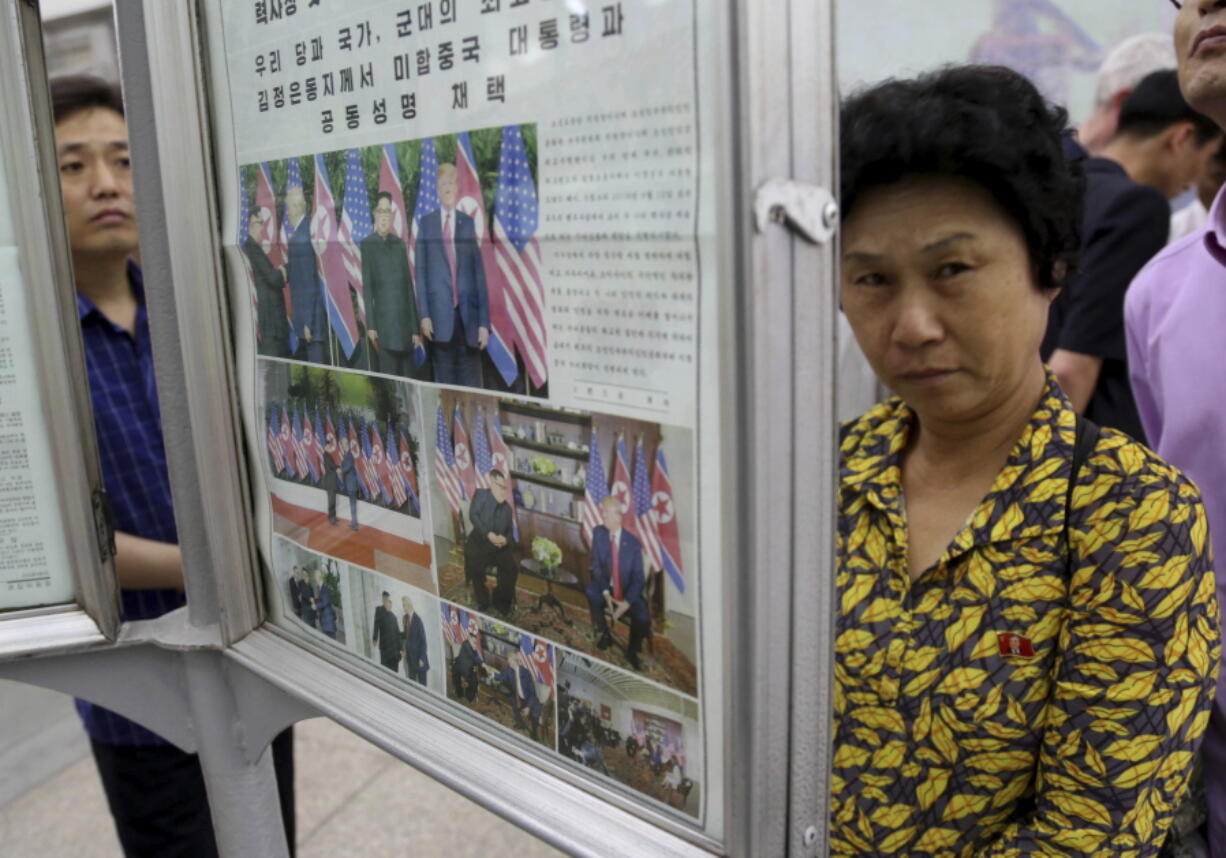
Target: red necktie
(449, 249)
(617, 571)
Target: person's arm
(1144, 389)
(479, 514)
(145, 564)
(1077, 374)
(405, 280)
(1137, 666)
(370, 293)
(422, 258)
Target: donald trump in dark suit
(455, 307)
(416, 660)
(308, 311)
(617, 581)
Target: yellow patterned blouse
(997, 706)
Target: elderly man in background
(1175, 315)
(1128, 63)
(1160, 146)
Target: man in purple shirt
(1175, 317)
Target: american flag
(275, 455)
(500, 458)
(517, 295)
(427, 198)
(394, 475)
(293, 179)
(538, 658)
(596, 490)
(329, 248)
(665, 514)
(641, 490)
(244, 210)
(406, 464)
(449, 628)
(366, 464)
(621, 487)
(470, 199)
(463, 455)
(356, 224)
(444, 465)
(300, 459)
(481, 450)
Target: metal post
(239, 777)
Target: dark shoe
(605, 641)
(353, 526)
(633, 658)
(331, 519)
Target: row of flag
(459, 623)
(510, 250)
(300, 447)
(538, 655)
(461, 467)
(648, 511)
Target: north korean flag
(331, 447)
(463, 455)
(287, 440)
(621, 487)
(664, 512)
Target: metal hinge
(808, 210)
(104, 526)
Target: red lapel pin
(1011, 644)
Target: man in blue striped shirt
(155, 791)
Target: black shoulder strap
(1085, 440)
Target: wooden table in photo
(549, 576)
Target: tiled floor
(353, 799)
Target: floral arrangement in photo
(544, 466)
(546, 552)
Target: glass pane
(34, 558)
(481, 289)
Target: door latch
(808, 210)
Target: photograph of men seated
(310, 589)
(501, 673)
(413, 258)
(542, 534)
(342, 452)
(398, 628)
(635, 732)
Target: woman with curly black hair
(1027, 636)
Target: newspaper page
(34, 565)
(464, 239)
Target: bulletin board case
(57, 584)
(481, 330)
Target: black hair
(988, 124)
(1156, 104)
(494, 472)
(383, 195)
(73, 93)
